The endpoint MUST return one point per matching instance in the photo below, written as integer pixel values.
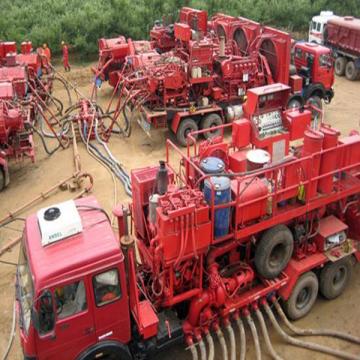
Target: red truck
(342, 35)
(241, 223)
(202, 81)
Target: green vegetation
(82, 22)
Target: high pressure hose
(305, 344)
(202, 350)
(49, 152)
(254, 335)
(266, 336)
(222, 341)
(193, 351)
(313, 332)
(240, 325)
(210, 342)
(232, 342)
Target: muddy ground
(28, 180)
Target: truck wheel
(340, 65)
(186, 126)
(274, 251)
(334, 277)
(351, 72)
(209, 121)
(109, 350)
(294, 103)
(303, 296)
(317, 102)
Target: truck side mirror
(44, 317)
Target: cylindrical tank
(26, 47)
(234, 112)
(212, 165)
(221, 186)
(329, 159)
(162, 179)
(257, 159)
(153, 203)
(9, 47)
(313, 141)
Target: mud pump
(213, 236)
(199, 79)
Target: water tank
(221, 187)
(212, 165)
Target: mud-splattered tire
(210, 121)
(351, 72)
(303, 296)
(186, 126)
(274, 251)
(340, 65)
(334, 277)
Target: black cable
(89, 207)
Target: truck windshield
(25, 289)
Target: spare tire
(274, 251)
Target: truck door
(111, 307)
(74, 328)
(323, 71)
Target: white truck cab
(317, 26)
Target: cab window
(70, 299)
(318, 27)
(106, 287)
(298, 53)
(314, 25)
(324, 60)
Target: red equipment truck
(342, 35)
(239, 223)
(201, 82)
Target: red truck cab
(71, 290)
(315, 65)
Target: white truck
(317, 26)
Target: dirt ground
(28, 180)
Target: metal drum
(212, 165)
(221, 186)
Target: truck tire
(295, 102)
(274, 251)
(317, 102)
(340, 65)
(351, 72)
(186, 126)
(209, 121)
(303, 296)
(334, 277)
(109, 350)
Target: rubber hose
(194, 353)
(232, 342)
(49, 152)
(255, 336)
(266, 336)
(305, 344)
(222, 341)
(314, 332)
(210, 342)
(240, 325)
(202, 350)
